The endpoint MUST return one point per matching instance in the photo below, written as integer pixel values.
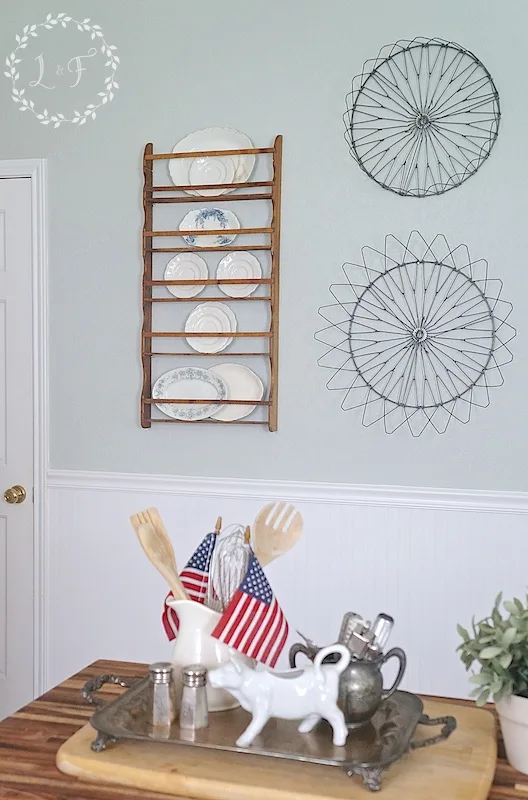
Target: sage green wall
(280, 66)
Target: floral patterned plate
(189, 383)
(209, 219)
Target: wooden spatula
(158, 548)
(276, 529)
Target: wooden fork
(157, 546)
(276, 529)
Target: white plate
(192, 383)
(241, 167)
(235, 266)
(186, 267)
(211, 169)
(242, 384)
(214, 318)
(209, 219)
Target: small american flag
(253, 622)
(194, 578)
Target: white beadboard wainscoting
(431, 558)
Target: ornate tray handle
(87, 693)
(449, 725)
(372, 775)
(94, 684)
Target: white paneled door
(16, 446)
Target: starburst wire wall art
(422, 116)
(417, 335)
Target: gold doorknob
(16, 494)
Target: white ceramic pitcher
(195, 645)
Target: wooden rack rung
(220, 232)
(222, 249)
(207, 355)
(146, 421)
(222, 299)
(208, 282)
(194, 402)
(205, 334)
(197, 187)
(201, 153)
(221, 198)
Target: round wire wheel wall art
(422, 116)
(417, 335)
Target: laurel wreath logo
(90, 112)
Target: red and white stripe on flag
(194, 578)
(253, 622)
(170, 620)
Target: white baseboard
(300, 491)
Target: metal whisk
(229, 564)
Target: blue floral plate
(209, 219)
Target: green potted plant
(499, 646)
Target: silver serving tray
(368, 750)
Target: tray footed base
(461, 767)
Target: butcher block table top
(30, 738)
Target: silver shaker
(193, 710)
(381, 630)
(163, 695)
(351, 621)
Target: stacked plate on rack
(211, 318)
(205, 170)
(222, 382)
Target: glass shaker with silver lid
(162, 695)
(193, 711)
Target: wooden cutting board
(460, 768)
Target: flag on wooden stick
(195, 579)
(253, 623)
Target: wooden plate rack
(152, 195)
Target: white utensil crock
(195, 645)
(513, 715)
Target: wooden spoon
(152, 516)
(275, 530)
(157, 546)
(156, 552)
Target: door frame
(36, 170)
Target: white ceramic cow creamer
(308, 694)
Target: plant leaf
(481, 679)
(463, 633)
(482, 699)
(509, 635)
(490, 652)
(505, 660)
